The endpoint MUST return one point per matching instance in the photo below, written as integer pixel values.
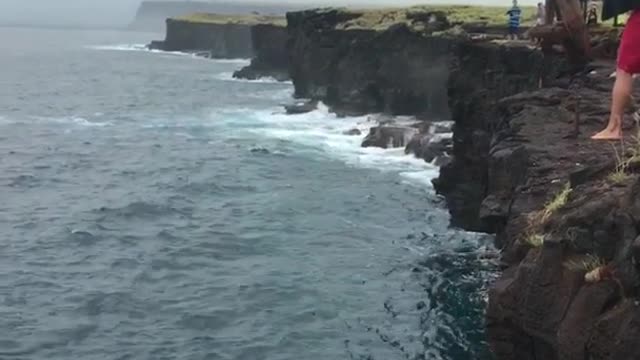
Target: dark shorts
(514, 30)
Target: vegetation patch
(383, 18)
(210, 18)
(537, 220)
(584, 263)
(534, 240)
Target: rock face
(523, 170)
(389, 136)
(269, 46)
(395, 69)
(217, 40)
(481, 73)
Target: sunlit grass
(210, 18)
(586, 263)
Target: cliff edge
(215, 35)
(564, 208)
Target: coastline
(520, 143)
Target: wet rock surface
(301, 107)
(389, 136)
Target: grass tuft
(534, 240)
(586, 263)
(558, 201)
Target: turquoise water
(154, 208)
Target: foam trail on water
(144, 48)
(73, 120)
(121, 47)
(243, 62)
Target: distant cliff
(358, 63)
(270, 58)
(152, 14)
(216, 35)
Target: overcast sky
(121, 12)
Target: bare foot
(607, 134)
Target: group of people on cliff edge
(515, 15)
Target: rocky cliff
(222, 36)
(357, 64)
(270, 59)
(563, 207)
(217, 40)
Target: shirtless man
(628, 65)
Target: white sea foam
(144, 48)
(324, 132)
(228, 76)
(73, 120)
(242, 62)
(121, 47)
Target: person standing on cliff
(628, 65)
(514, 20)
(541, 15)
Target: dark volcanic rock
(398, 70)
(270, 49)
(482, 74)
(515, 149)
(388, 136)
(156, 45)
(217, 40)
(429, 146)
(302, 107)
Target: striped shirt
(514, 17)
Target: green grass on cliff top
(487, 15)
(210, 18)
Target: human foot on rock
(608, 134)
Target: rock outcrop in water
(564, 208)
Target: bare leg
(619, 100)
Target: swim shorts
(629, 51)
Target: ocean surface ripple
(154, 208)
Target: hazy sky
(121, 12)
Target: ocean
(152, 207)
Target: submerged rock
(301, 108)
(353, 132)
(388, 136)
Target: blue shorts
(514, 30)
